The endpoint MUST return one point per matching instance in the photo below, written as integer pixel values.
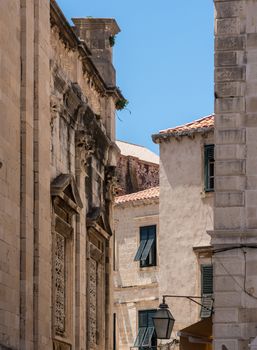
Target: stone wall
(236, 186)
(57, 177)
(10, 75)
(135, 175)
(135, 288)
(186, 212)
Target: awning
(197, 336)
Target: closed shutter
(207, 279)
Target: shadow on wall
(124, 325)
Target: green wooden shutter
(207, 279)
(209, 167)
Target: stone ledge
(233, 238)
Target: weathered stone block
(236, 136)
(230, 43)
(251, 41)
(225, 58)
(251, 167)
(251, 181)
(236, 183)
(219, 344)
(230, 89)
(229, 104)
(251, 120)
(251, 135)
(251, 198)
(251, 104)
(230, 167)
(229, 9)
(227, 299)
(226, 121)
(228, 283)
(226, 315)
(230, 199)
(230, 74)
(223, 152)
(227, 26)
(247, 315)
(251, 76)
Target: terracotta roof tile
(150, 193)
(199, 125)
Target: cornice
(70, 39)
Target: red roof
(150, 193)
(199, 125)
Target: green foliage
(121, 104)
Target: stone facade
(235, 227)
(186, 212)
(136, 206)
(135, 288)
(137, 168)
(57, 178)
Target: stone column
(235, 213)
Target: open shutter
(140, 250)
(207, 290)
(147, 248)
(207, 305)
(140, 337)
(209, 167)
(147, 341)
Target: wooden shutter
(209, 167)
(207, 279)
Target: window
(209, 168)
(206, 290)
(146, 337)
(146, 252)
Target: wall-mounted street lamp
(164, 321)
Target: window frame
(209, 164)
(146, 330)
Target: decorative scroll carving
(92, 300)
(59, 284)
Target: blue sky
(163, 58)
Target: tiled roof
(150, 193)
(199, 125)
(141, 152)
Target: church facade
(57, 178)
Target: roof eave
(158, 138)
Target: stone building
(137, 168)
(136, 220)
(185, 214)
(136, 291)
(234, 238)
(57, 162)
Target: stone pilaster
(235, 213)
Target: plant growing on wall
(121, 104)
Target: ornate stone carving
(111, 183)
(85, 146)
(59, 267)
(92, 300)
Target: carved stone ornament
(85, 147)
(111, 183)
(92, 300)
(56, 107)
(59, 284)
